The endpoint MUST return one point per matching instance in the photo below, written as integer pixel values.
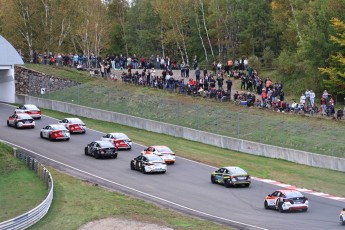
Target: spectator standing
(307, 96)
(312, 98)
(197, 74)
(228, 86)
(195, 62)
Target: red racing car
(55, 132)
(119, 140)
(21, 120)
(74, 125)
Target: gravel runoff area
(120, 224)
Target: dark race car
(231, 176)
(21, 120)
(101, 149)
(148, 164)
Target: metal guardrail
(29, 218)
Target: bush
(254, 63)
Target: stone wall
(30, 82)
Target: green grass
(20, 188)
(64, 72)
(77, 202)
(312, 134)
(280, 170)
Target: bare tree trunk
(204, 21)
(177, 43)
(199, 30)
(296, 23)
(65, 29)
(162, 41)
(26, 30)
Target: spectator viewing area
(8, 58)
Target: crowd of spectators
(217, 83)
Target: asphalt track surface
(185, 187)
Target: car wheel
(143, 169)
(96, 156)
(266, 205)
(212, 180)
(132, 165)
(8, 123)
(38, 118)
(172, 163)
(86, 151)
(342, 222)
(246, 185)
(16, 125)
(304, 210)
(50, 138)
(41, 135)
(280, 208)
(67, 139)
(164, 172)
(227, 184)
(115, 156)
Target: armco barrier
(29, 218)
(301, 157)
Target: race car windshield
(75, 121)
(121, 136)
(58, 127)
(31, 107)
(154, 158)
(237, 171)
(106, 144)
(293, 194)
(164, 150)
(24, 116)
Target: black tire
(172, 163)
(86, 151)
(41, 135)
(164, 172)
(96, 156)
(50, 138)
(8, 123)
(16, 125)
(246, 185)
(280, 208)
(342, 222)
(143, 170)
(38, 118)
(266, 205)
(212, 180)
(115, 156)
(132, 165)
(304, 210)
(67, 139)
(227, 184)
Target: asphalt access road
(185, 185)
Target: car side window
(21, 107)
(275, 193)
(14, 115)
(221, 170)
(145, 159)
(139, 158)
(226, 171)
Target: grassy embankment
(314, 134)
(76, 202)
(20, 188)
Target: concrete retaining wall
(301, 157)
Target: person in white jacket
(312, 97)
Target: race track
(186, 186)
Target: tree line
(301, 39)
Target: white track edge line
(135, 190)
